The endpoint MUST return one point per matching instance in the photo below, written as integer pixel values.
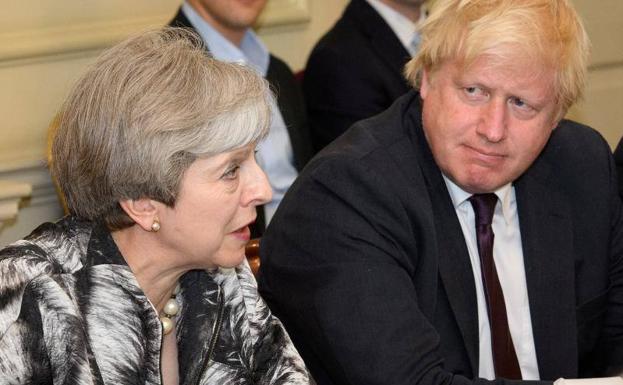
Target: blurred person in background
(356, 69)
(225, 28)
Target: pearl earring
(155, 226)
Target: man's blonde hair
(548, 32)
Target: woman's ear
(143, 211)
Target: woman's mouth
(243, 233)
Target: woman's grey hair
(142, 113)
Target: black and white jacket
(71, 312)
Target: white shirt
(403, 27)
(508, 258)
(274, 153)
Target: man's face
(487, 123)
(230, 14)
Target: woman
(145, 282)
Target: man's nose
(493, 123)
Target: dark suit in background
(618, 158)
(291, 105)
(353, 72)
(375, 285)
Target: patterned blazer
(71, 312)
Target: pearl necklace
(170, 310)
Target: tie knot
(484, 207)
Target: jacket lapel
(547, 240)
(455, 268)
(383, 40)
(196, 331)
(444, 237)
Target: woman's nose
(258, 190)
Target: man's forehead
(516, 70)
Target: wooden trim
(69, 39)
(35, 174)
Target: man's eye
(521, 106)
(518, 103)
(474, 92)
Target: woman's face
(209, 223)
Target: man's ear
(143, 211)
(424, 84)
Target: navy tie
(504, 356)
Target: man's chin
(482, 185)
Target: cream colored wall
(602, 107)
(45, 45)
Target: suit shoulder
(343, 43)
(576, 157)
(376, 137)
(618, 152)
(573, 129)
(279, 66)
(577, 140)
(52, 248)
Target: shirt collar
(506, 195)
(405, 29)
(251, 51)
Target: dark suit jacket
(291, 105)
(618, 158)
(353, 72)
(366, 264)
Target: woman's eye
(231, 173)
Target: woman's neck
(149, 263)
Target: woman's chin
(230, 259)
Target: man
(225, 27)
(355, 70)
(468, 232)
(618, 158)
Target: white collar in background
(405, 29)
(251, 51)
